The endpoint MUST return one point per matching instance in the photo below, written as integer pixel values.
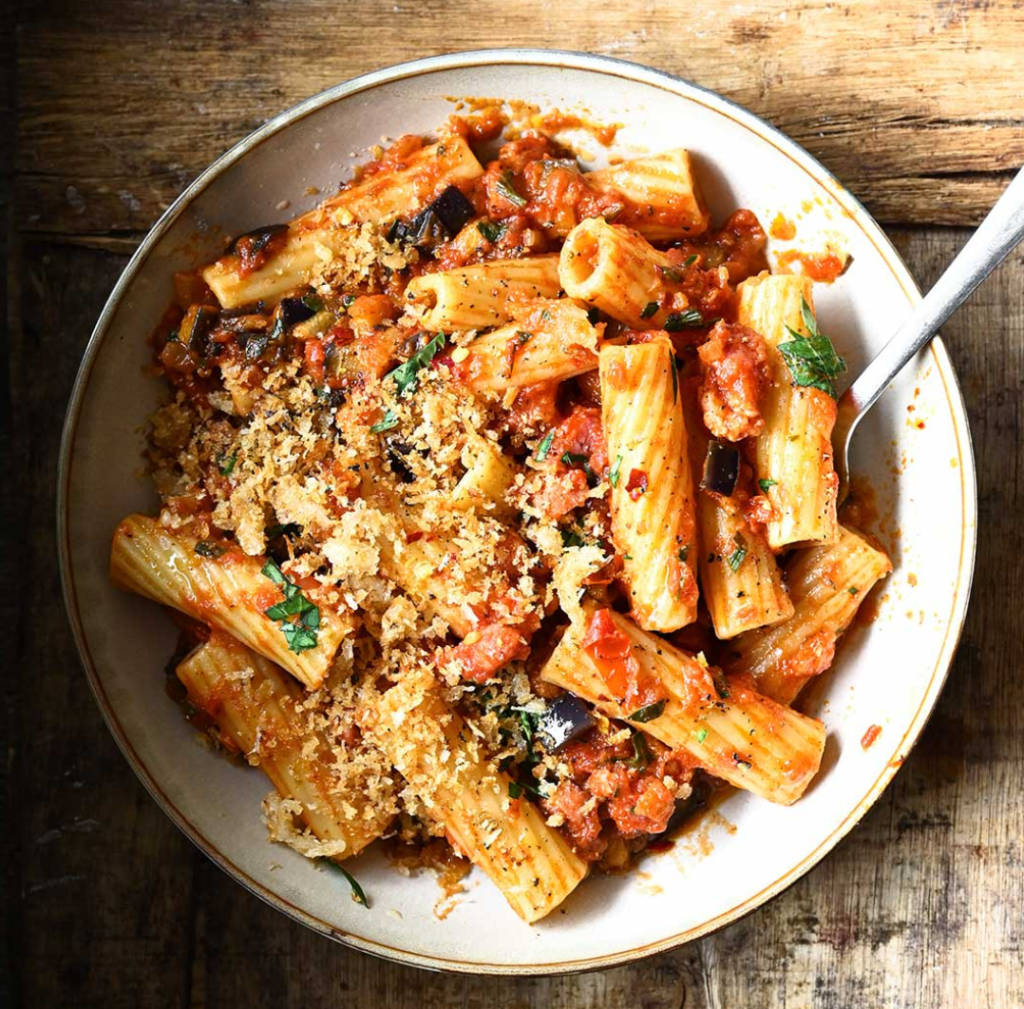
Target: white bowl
(889, 673)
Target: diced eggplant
(566, 718)
(256, 240)
(294, 310)
(453, 210)
(721, 468)
(195, 332)
(435, 223)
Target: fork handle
(995, 238)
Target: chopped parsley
(545, 446)
(226, 463)
(690, 260)
(506, 187)
(571, 538)
(300, 632)
(575, 459)
(737, 556)
(287, 529)
(812, 360)
(313, 302)
(406, 375)
(616, 470)
(386, 423)
(671, 274)
(689, 318)
(702, 734)
(647, 713)
(765, 484)
(492, 231)
(651, 308)
(207, 548)
(675, 379)
(853, 590)
(642, 755)
(515, 790)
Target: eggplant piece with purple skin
(721, 468)
(257, 240)
(294, 310)
(566, 719)
(439, 221)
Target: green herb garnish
(545, 446)
(648, 713)
(737, 556)
(313, 302)
(642, 755)
(287, 529)
(515, 790)
(671, 274)
(690, 260)
(407, 375)
(507, 187)
(357, 891)
(571, 538)
(853, 590)
(812, 360)
(651, 308)
(613, 476)
(207, 548)
(492, 231)
(765, 484)
(689, 318)
(386, 423)
(675, 380)
(348, 300)
(301, 632)
(702, 734)
(226, 463)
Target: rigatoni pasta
(230, 590)
(453, 558)
(827, 585)
(651, 497)
(445, 765)
(794, 452)
(735, 733)
(346, 801)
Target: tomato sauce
(824, 267)
(612, 652)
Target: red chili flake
(636, 485)
(869, 737)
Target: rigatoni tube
(228, 591)
(661, 197)
(616, 270)
(476, 297)
(827, 585)
(794, 451)
(736, 734)
(445, 767)
(740, 579)
(346, 801)
(652, 500)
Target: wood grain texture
(127, 100)
(915, 105)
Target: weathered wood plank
(104, 917)
(124, 101)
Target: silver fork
(1000, 232)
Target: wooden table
(916, 105)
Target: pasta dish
(498, 514)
